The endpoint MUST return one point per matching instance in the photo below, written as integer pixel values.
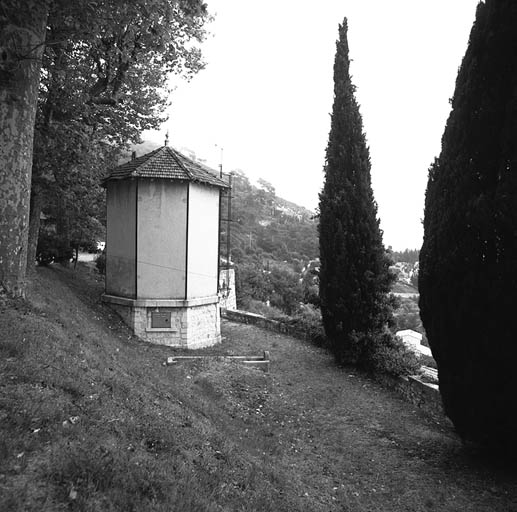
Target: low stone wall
(423, 395)
(244, 317)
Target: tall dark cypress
(468, 261)
(354, 274)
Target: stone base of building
(193, 323)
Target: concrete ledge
(261, 362)
(161, 329)
(160, 303)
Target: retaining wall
(244, 317)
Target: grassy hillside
(91, 420)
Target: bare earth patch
(91, 419)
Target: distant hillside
(267, 227)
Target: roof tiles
(166, 163)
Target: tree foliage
(468, 261)
(405, 256)
(279, 286)
(104, 81)
(354, 275)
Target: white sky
(267, 91)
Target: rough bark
(22, 36)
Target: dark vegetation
(355, 279)
(468, 262)
(103, 81)
(406, 256)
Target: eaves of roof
(166, 163)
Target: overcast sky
(266, 95)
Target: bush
(384, 353)
(307, 321)
(52, 248)
(279, 286)
(428, 361)
(100, 262)
(46, 253)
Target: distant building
(413, 341)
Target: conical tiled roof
(166, 163)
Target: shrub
(428, 361)
(100, 262)
(384, 353)
(53, 249)
(46, 251)
(307, 321)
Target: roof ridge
(175, 154)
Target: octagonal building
(162, 248)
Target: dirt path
(218, 436)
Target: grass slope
(91, 420)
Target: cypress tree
(354, 273)
(468, 261)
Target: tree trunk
(22, 37)
(36, 204)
